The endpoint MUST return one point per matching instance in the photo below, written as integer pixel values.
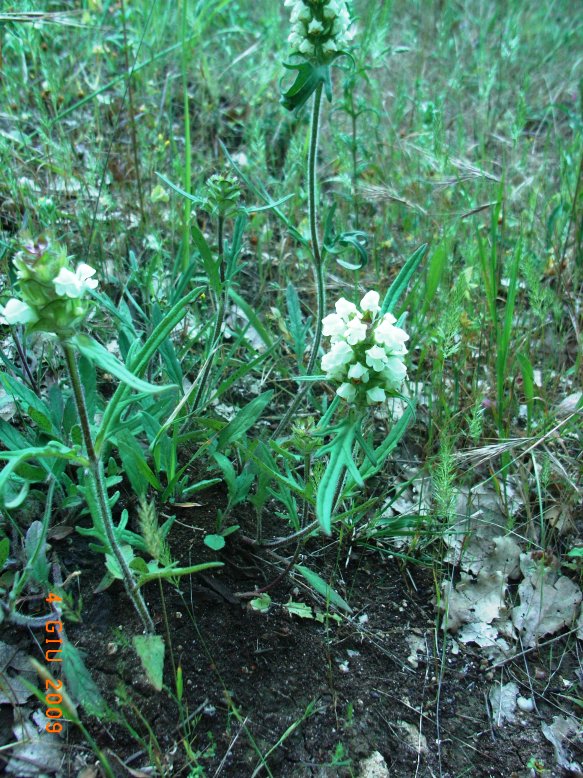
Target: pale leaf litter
(37, 752)
(478, 609)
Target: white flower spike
(320, 29)
(367, 350)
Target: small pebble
(525, 704)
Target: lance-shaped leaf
(400, 283)
(99, 355)
(340, 450)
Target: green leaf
(244, 420)
(135, 466)
(260, 191)
(150, 649)
(320, 585)
(252, 317)
(340, 449)
(199, 486)
(28, 401)
(400, 283)
(261, 603)
(299, 609)
(99, 355)
(80, 684)
(8, 477)
(210, 264)
(338, 244)
(216, 542)
(435, 269)
(142, 357)
(41, 421)
(175, 572)
(308, 78)
(112, 564)
(368, 469)
(35, 551)
(4, 551)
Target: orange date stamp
(53, 648)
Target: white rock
(525, 704)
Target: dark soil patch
(350, 687)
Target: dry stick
(100, 490)
(275, 581)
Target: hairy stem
(100, 490)
(316, 255)
(221, 308)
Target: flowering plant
(321, 31)
(367, 351)
(53, 297)
(320, 28)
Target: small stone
(374, 767)
(526, 704)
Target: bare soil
(351, 686)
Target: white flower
(358, 372)
(391, 337)
(17, 312)
(355, 331)
(69, 284)
(306, 47)
(345, 308)
(375, 395)
(333, 326)
(300, 13)
(329, 47)
(339, 355)
(346, 391)
(315, 27)
(370, 302)
(376, 358)
(394, 373)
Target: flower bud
(222, 195)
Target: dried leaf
(503, 702)
(548, 602)
(560, 733)
(479, 600)
(14, 666)
(37, 752)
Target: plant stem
(221, 308)
(134, 136)
(316, 255)
(100, 489)
(187, 181)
